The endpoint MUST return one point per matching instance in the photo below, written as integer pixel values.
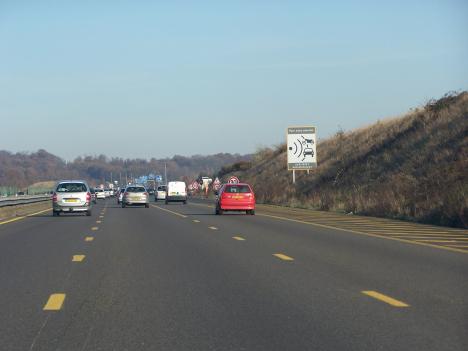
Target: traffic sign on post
(301, 148)
(216, 184)
(233, 180)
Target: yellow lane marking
(213, 228)
(101, 216)
(363, 233)
(436, 241)
(173, 212)
(89, 238)
(385, 298)
(55, 302)
(22, 217)
(376, 235)
(456, 245)
(283, 257)
(98, 222)
(238, 238)
(433, 234)
(196, 221)
(78, 258)
(94, 228)
(402, 232)
(201, 205)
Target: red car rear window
(236, 189)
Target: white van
(176, 191)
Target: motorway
(175, 277)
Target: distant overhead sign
(301, 148)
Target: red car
(235, 197)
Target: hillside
(414, 167)
(19, 170)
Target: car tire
(251, 212)
(146, 205)
(123, 205)
(55, 213)
(155, 199)
(88, 213)
(167, 202)
(185, 202)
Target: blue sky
(158, 78)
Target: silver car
(72, 196)
(135, 195)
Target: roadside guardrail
(22, 200)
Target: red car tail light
(126, 193)
(146, 194)
(88, 196)
(54, 197)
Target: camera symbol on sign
(303, 148)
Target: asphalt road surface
(175, 277)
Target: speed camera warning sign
(301, 148)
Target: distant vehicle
(108, 192)
(93, 195)
(176, 192)
(20, 193)
(235, 197)
(151, 191)
(120, 194)
(72, 196)
(160, 193)
(135, 195)
(100, 193)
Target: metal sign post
(301, 148)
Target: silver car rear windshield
(136, 189)
(243, 189)
(71, 188)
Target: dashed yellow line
(283, 257)
(55, 302)
(23, 217)
(89, 238)
(98, 222)
(213, 228)
(173, 212)
(196, 221)
(101, 216)
(78, 258)
(384, 298)
(374, 231)
(238, 238)
(94, 228)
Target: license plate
(134, 198)
(71, 200)
(237, 197)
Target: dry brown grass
(412, 167)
